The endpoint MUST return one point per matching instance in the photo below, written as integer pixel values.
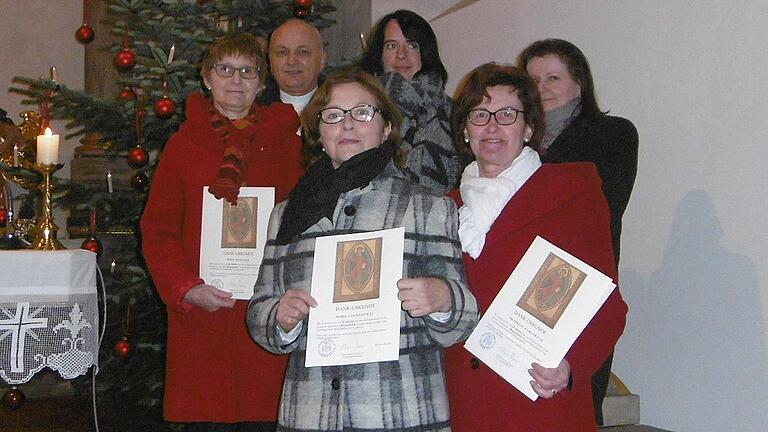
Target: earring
(527, 139)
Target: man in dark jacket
(296, 57)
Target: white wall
(692, 77)
(34, 35)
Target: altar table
(48, 313)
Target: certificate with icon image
(354, 280)
(232, 239)
(539, 312)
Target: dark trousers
(230, 427)
(599, 386)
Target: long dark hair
(415, 28)
(578, 68)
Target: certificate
(354, 280)
(539, 312)
(232, 239)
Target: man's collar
(298, 102)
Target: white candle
(109, 181)
(15, 155)
(48, 148)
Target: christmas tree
(162, 42)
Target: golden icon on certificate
(238, 229)
(358, 266)
(550, 291)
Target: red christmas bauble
(14, 398)
(138, 157)
(123, 347)
(126, 94)
(3, 217)
(84, 34)
(300, 12)
(125, 60)
(92, 244)
(140, 181)
(306, 4)
(164, 108)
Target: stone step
(620, 406)
(632, 428)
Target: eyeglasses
(362, 113)
(504, 116)
(226, 71)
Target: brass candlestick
(46, 230)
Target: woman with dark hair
(507, 198)
(354, 185)
(217, 379)
(577, 131)
(402, 52)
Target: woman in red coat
(215, 372)
(507, 198)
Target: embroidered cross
(19, 326)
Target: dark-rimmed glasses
(361, 113)
(504, 116)
(225, 71)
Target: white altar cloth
(48, 313)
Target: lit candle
(15, 155)
(109, 181)
(48, 148)
(362, 40)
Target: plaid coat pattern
(404, 395)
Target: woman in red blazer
(216, 377)
(507, 198)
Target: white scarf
(484, 198)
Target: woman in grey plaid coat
(354, 186)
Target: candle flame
(48, 132)
(362, 41)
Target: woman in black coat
(578, 131)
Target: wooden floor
(633, 428)
(60, 414)
(71, 414)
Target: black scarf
(318, 190)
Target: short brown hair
(235, 44)
(310, 117)
(475, 87)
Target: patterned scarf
(236, 137)
(317, 192)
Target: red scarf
(236, 137)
